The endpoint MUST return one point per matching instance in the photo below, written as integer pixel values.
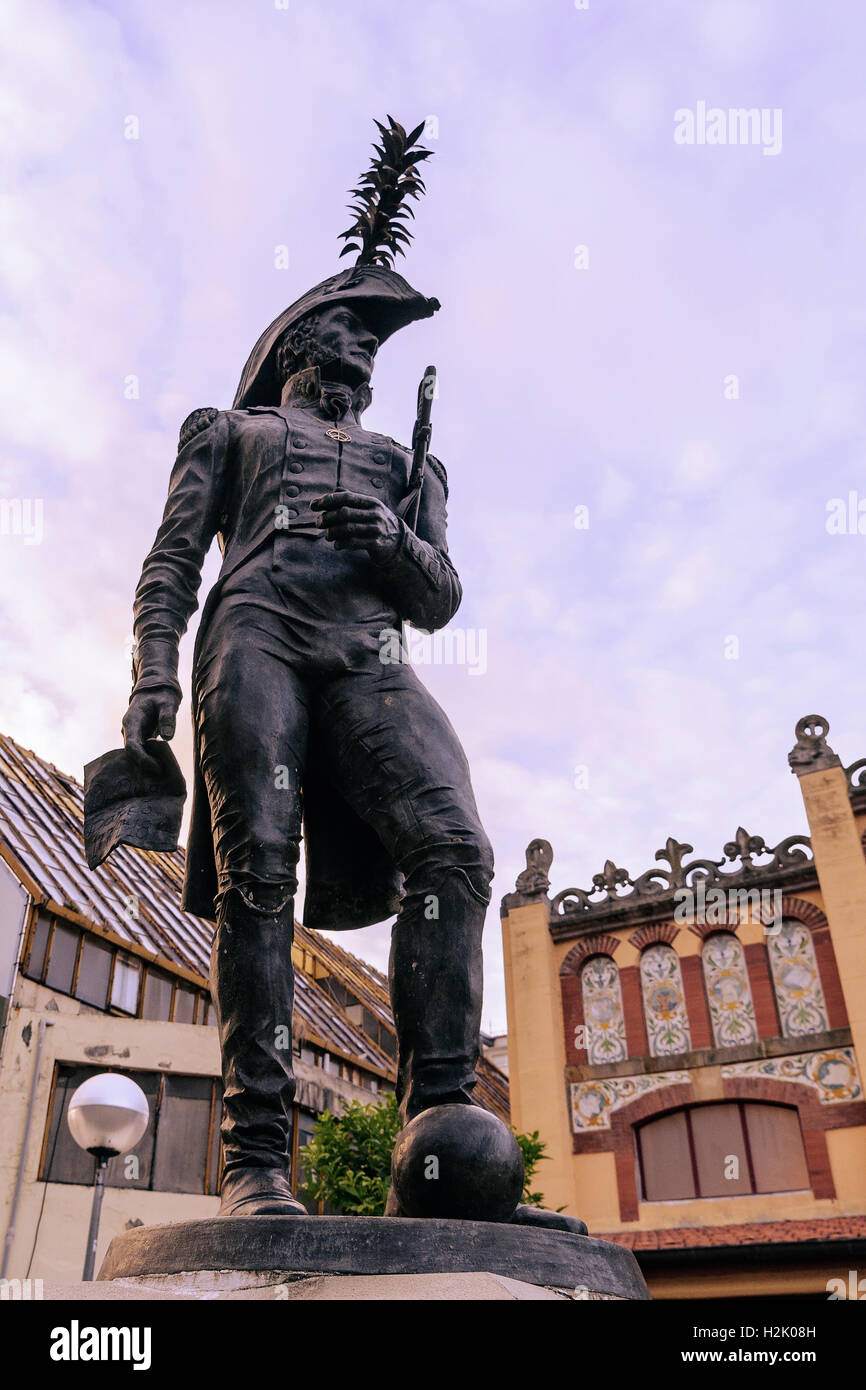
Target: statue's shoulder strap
(438, 468)
(432, 463)
(194, 424)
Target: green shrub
(347, 1163)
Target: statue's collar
(333, 398)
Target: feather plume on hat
(381, 200)
(371, 286)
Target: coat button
(299, 443)
(377, 482)
(292, 491)
(379, 457)
(296, 468)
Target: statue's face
(345, 345)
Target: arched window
(729, 993)
(795, 975)
(664, 1004)
(725, 1149)
(602, 1011)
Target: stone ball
(460, 1162)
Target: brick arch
(815, 1120)
(589, 946)
(806, 912)
(654, 933)
(704, 929)
(812, 917)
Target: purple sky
(560, 387)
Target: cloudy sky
(669, 335)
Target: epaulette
(195, 423)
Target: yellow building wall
(841, 867)
(537, 1060)
(536, 1049)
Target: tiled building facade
(690, 1042)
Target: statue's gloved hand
(354, 521)
(150, 712)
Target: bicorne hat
(126, 803)
(382, 298)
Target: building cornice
(616, 899)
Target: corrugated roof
(323, 1021)
(136, 895)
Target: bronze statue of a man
(297, 720)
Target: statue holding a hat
(329, 537)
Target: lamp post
(107, 1116)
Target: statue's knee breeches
(251, 733)
(470, 853)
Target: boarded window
(777, 1148)
(157, 996)
(720, 1150)
(184, 1131)
(184, 1005)
(388, 1043)
(177, 1153)
(61, 961)
(64, 1161)
(666, 1159)
(729, 1149)
(94, 972)
(38, 946)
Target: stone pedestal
(256, 1252)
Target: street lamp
(107, 1116)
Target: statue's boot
(252, 984)
(436, 988)
(259, 1192)
(435, 975)
(548, 1220)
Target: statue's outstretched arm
(166, 596)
